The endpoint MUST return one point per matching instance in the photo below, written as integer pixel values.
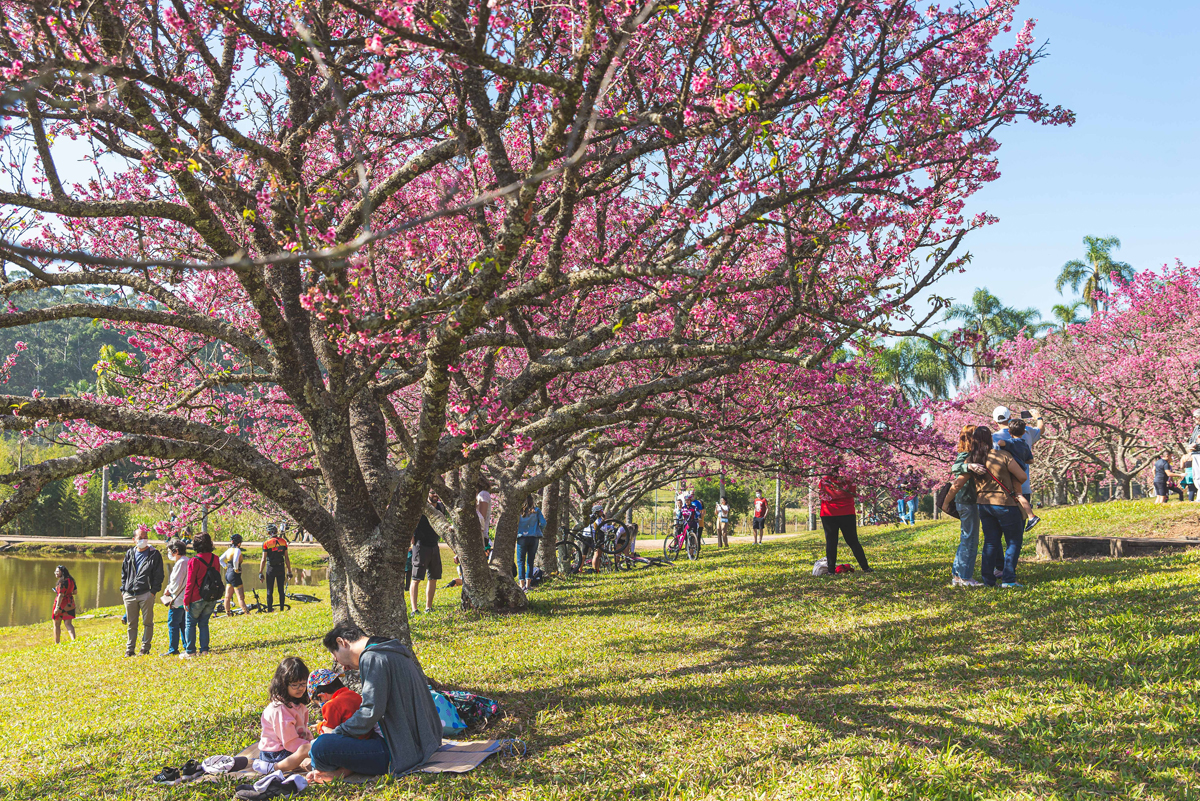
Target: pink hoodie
(284, 727)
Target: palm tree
(920, 368)
(992, 323)
(1067, 314)
(1094, 270)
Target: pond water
(27, 585)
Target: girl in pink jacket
(285, 734)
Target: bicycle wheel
(615, 542)
(693, 546)
(570, 558)
(671, 548)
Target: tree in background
(1067, 314)
(990, 323)
(737, 494)
(1095, 270)
(921, 368)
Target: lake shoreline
(306, 556)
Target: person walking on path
(231, 560)
(198, 610)
(395, 697)
(63, 611)
(426, 564)
(722, 523)
(759, 521)
(962, 572)
(173, 597)
(529, 537)
(141, 580)
(274, 565)
(837, 515)
(997, 479)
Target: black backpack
(212, 588)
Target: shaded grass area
(739, 676)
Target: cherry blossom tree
(1117, 389)
(360, 248)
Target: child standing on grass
(285, 736)
(63, 611)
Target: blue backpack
(452, 722)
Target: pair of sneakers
(171, 776)
(955, 581)
(1031, 522)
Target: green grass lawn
(739, 676)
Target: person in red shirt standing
(761, 507)
(837, 515)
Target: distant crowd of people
(197, 584)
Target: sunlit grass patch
(739, 676)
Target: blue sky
(1129, 167)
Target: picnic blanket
(452, 757)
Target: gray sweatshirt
(395, 694)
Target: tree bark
(484, 589)
(366, 584)
(548, 553)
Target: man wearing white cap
(1013, 432)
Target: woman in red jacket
(197, 610)
(837, 514)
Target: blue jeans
(527, 548)
(968, 543)
(910, 507)
(198, 614)
(175, 623)
(368, 757)
(995, 520)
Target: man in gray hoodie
(395, 702)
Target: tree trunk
(366, 584)
(1060, 492)
(504, 546)
(484, 589)
(548, 553)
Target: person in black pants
(274, 565)
(837, 516)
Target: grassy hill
(739, 676)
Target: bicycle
(684, 539)
(577, 548)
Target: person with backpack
(200, 595)
(141, 579)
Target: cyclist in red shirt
(837, 514)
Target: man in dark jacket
(141, 579)
(395, 698)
